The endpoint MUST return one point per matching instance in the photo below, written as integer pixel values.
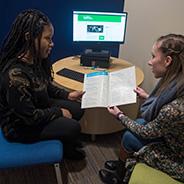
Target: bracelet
(118, 114)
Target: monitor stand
(95, 58)
(97, 51)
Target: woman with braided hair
(31, 107)
(156, 139)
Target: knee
(131, 142)
(79, 114)
(75, 129)
(126, 140)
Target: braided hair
(16, 44)
(173, 45)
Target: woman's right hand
(141, 93)
(66, 113)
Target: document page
(121, 86)
(96, 90)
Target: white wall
(147, 20)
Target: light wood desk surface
(73, 63)
(96, 120)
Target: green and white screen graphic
(99, 26)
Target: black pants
(65, 129)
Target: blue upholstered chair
(18, 154)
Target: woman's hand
(114, 111)
(66, 113)
(75, 95)
(141, 93)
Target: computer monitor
(91, 26)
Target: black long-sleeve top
(25, 92)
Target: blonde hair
(172, 45)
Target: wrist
(119, 115)
(146, 96)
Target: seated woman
(31, 107)
(156, 139)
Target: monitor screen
(91, 26)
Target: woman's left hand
(114, 110)
(75, 95)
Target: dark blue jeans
(132, 142)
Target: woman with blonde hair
(156, 139)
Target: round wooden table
(96, 120)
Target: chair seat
(143, 174)
(19, 154)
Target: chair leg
(58, 173)
(61, 176)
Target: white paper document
(104, 88)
